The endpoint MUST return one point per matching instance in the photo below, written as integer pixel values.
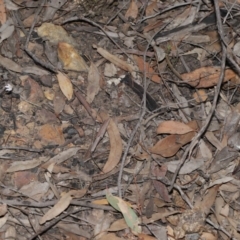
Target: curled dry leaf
(206, 77)
(115, 143)
(65, 85)
(173, 127)
(132, 11)
(115, 60)
(70, 58)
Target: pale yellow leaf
(58, 208)
(65, 85)
(115, 60)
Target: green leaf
(129, 215)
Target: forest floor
(119, 120)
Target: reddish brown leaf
(167, 147)
(35, 93)
(173, 127)
(51, 134)
(115, 144)
(206, 77)
(160, 187)
(3, 15)
(149, 70)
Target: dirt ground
(119, 120)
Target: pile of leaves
(119, 120)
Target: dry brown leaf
(3, 209)
(206, 77)
(143, 236)
(93, 83)
(24, 165)
(208, 200)
(55, 34)
(166, 147)
(58, 208)
(115, 143)
(3, 220)
(208, 236)
(35, 189)
(34, 93)
(22, 178)
(173, 127)
(115, 60)
(65, 85)
(61, 157)
(50, 133)
(160, 187)
(3, 15)
(70, 58)
(73, 231)
(200, 96)
(101, 201)
(111, 236)
(169, 146)
(10, 233)
(150, 73)
(10, 65)
(132, 11)
(58, 103)
(151, 8)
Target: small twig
(172, 68)
(84, 102)
(21, 148)
(51, 203)
(100, 134)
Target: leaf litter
(119, 120)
